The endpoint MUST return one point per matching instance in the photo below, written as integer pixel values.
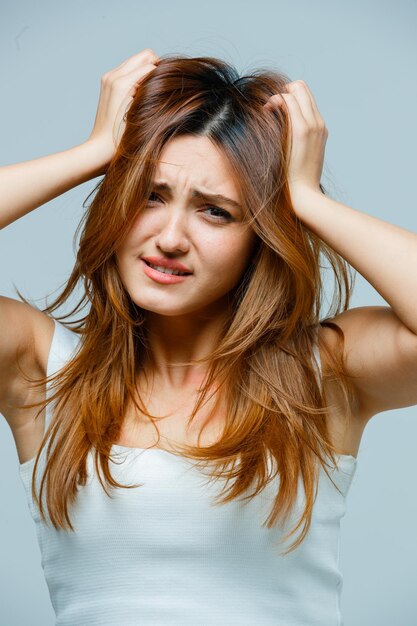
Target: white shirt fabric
(165, 554)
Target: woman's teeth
(165, 270)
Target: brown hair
(263, 365)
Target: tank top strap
(317, 361)
(63, 345)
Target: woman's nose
(172, 235)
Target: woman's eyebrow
(201, 195)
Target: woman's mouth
(163, 275)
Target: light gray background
(359, 60)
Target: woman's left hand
(308, 133)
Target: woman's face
(208, 237)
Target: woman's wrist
(96, 157)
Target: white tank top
(165, 554)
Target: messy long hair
(262, 369)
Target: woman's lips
(162, 277)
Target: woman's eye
(224, 215)
(153, 194)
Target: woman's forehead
(194, 163)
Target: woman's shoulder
(55, 341)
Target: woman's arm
(26, 186)
(380, 347)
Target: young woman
(202, 411)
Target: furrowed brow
(201, 195)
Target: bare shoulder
(380, 354)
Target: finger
(131, 80)
(274, 100)
(297, 119)
(300, 92)
(137, 60)
(302, 89)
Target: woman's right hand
(117, 90)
